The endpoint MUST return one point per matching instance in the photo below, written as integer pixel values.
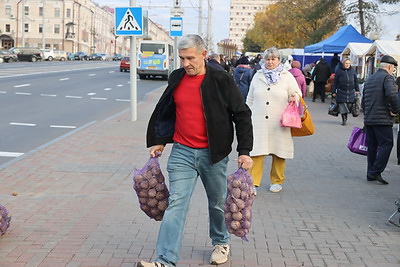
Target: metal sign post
(176, 29)
(129, 22)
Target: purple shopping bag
(357, 142)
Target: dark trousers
(319, 88)
(380, 144)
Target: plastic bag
(333, 108)
(238, 203)
(356, 107)
(5, 219)
(291, 117)
(358, 141)
(150, 187)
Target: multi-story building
(242, 14)
(70, 25)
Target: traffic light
(177, 3)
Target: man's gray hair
(214, 56)
(385, 65)
(192, 40)
(272, 52)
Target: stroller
(391, 218)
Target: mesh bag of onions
(238, 203)
(5, 218)
(150, 187)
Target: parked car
(60, 55)
(8, 56)
(117, 57)
(95, 56)
(47, 54)
(125, 64)
(81, 56)
(32, 54)
(104, 57)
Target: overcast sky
(160, 12)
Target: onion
(237, 216)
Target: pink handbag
(291, 117)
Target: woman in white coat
(271, 89)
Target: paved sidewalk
(76, 206)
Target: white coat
(267, 104)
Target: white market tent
(377, 50)
(355, 52)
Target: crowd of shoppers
(206, 102)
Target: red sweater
(190, 125)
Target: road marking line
(91, 93)
(72, 96)
(92, 74)
(48, 95)
(22, 85)
(123, 100)
(120, 85)
(107, 89)
(22, 124)
(98, 98)
(64, 79)
(63, 126)
(111, 71)
(3, 92)
(22, 93)
(10, 154)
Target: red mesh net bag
(150, 187)
(238, 203)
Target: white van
(47, 54)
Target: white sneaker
(150, 264)
(220, 254)
(254, 190)
(275, 188)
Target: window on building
(26, 10)
(68, 12)
(8, 28)
(8, 10)
(56, 28)
(40, 28)
(40, 11)
(26, 27)
(57, 12)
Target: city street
(42, 101)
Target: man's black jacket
(223, 105)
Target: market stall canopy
(380, 48)
(355, 49)
(338, 41)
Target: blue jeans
(379, 142)
(185, 165)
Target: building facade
(242, 14)
(70, 25)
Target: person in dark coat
(398, 129)
(214, 62)
(345, 87)
(320, 76)
(334, 62)
(380, 105)
(243, 74)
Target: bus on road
(155, 58)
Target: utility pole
(200, 17)
(209, 35)
(133, 73)
(43, 42)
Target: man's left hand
(245, 162)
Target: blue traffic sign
(176, 26)
(128, 21)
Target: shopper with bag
(380, 105)
(271, 90)
(345, 87)
(196, 113)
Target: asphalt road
(43, 101)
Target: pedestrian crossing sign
(128, 21)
